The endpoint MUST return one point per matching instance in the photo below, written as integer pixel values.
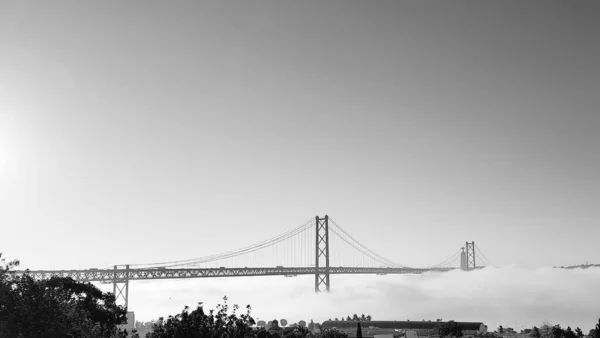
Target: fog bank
(508, 296)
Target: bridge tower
(470, 256)
(322, 253)
(121, 285)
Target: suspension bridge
(318, 247)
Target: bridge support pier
(121, 286)
(322, 253)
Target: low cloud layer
(508, 296)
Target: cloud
(508, 296)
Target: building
(401, 328)
(130, 322)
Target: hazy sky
(135, 132)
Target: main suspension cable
(304, 226)
(381, 258)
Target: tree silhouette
(57, 307)
(578, 332)
(197, 323)
(595, 332)
(568, 333)
(546, 329)
(6, 266)
(557, 331)
(358, 330)
(356, 318)
(535, 332)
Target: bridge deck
(112, 275)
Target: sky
(144, 132)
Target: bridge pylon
(121, 285)
(467, 261)
(322, 253)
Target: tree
(578, 332)
(356, 318)
(595, 332)
(451, 329)
(500, 329)
(557, 331)
(546, 329)
(568, 333)
(535, 332)
(358, 330)
(144, 327)
(369, 318)
(199, 324)
(5, 293)
(5, 266)
(56, 307)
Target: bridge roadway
(126, 274)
